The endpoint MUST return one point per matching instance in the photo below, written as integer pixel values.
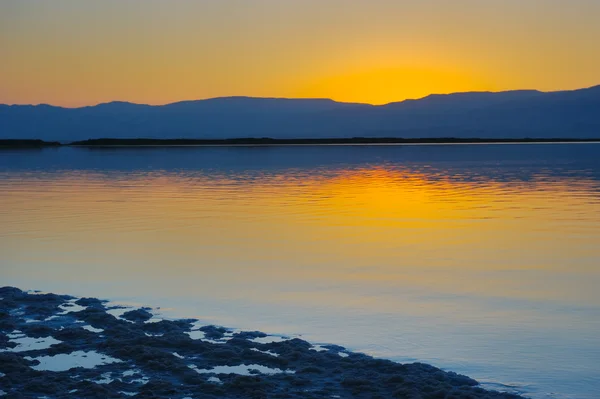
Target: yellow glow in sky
(81, 52)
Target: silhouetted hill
(512, 114)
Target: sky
(83, 52)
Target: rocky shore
(266, 141)
(17, 144)
(59, 346)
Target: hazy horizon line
(295, 98)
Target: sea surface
(481, 259)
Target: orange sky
(80, 52)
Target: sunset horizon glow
(81, 53)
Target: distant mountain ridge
(510, 114)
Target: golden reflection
(388, 227)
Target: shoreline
(130, 352)
(142, 142)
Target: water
(482, 259)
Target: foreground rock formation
(58, 346)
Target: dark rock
(72, 334)
(139, 315)
(10, 292)
(250, 335)
(91, 302)
(213, 332)
(37, 330)
(96, 317)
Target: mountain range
(510, 114)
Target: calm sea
(482, 259)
